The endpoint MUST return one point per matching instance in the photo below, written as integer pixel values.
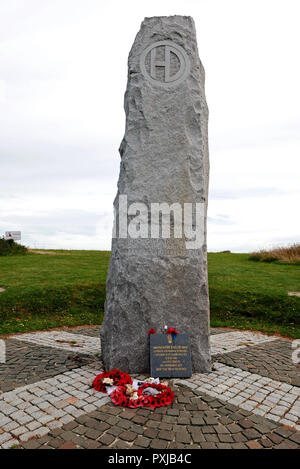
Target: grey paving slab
(27, 363)
(272, 359)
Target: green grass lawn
(67, 288)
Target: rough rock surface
(164, 158)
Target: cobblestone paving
(194, 420)
(237, 340)
(33, 410)
(263, 396)
(64, 412)
(27, 363)
(89, 344)
(271, 360)
(63, 340)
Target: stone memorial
(158, 267)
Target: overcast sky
(63, 72)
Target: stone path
(232, 341)
(46, 400)
(27, 363)
(224, 343)
(272, 360)
(277, 401)
(63, 340)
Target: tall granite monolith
(158, 276)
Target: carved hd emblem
(165, 63)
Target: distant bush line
(289, 254)
(8, 247)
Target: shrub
(8, 247)
(285, 254)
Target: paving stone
(224, 446)
(295, 437)
(254, 445)
(198, 421)
(183, 421)
(213, 437)
(275, 438)
(91, 444)
(197, 435)
(32, 444)
(238, 446)
(234, 428)
(125, 424)
(142, 441)
(67, 435)
(265, 442)
(209, 429)
(210, 421)
(158, 444)
(128, 436)
(127, 414)
(120, 444)
(167, 426)
(209, 445)
(220, 429)
(225, 438)
(166, 435)
(287, 445)
(151, 433)
(182, 436)
(106, 439)
(139, 419)
(92, 433)
(251, 433)
(56, 442)
(246, 423)
(68, 445)
(283, 432)
(239, 437)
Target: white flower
(108, 381)
(129, 389)
(134, 396)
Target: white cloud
(63, 71)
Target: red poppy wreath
(163, 397)
(111, 378)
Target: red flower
(119, 378)
(119, 396)
(166, 397)
(171, 330)
(152, 331)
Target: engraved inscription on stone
(165, 63)
(170, 357)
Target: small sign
(15, 235)
(170, 357)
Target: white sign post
(15, 235)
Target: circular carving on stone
(165, 63)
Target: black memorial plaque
(170, 357)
